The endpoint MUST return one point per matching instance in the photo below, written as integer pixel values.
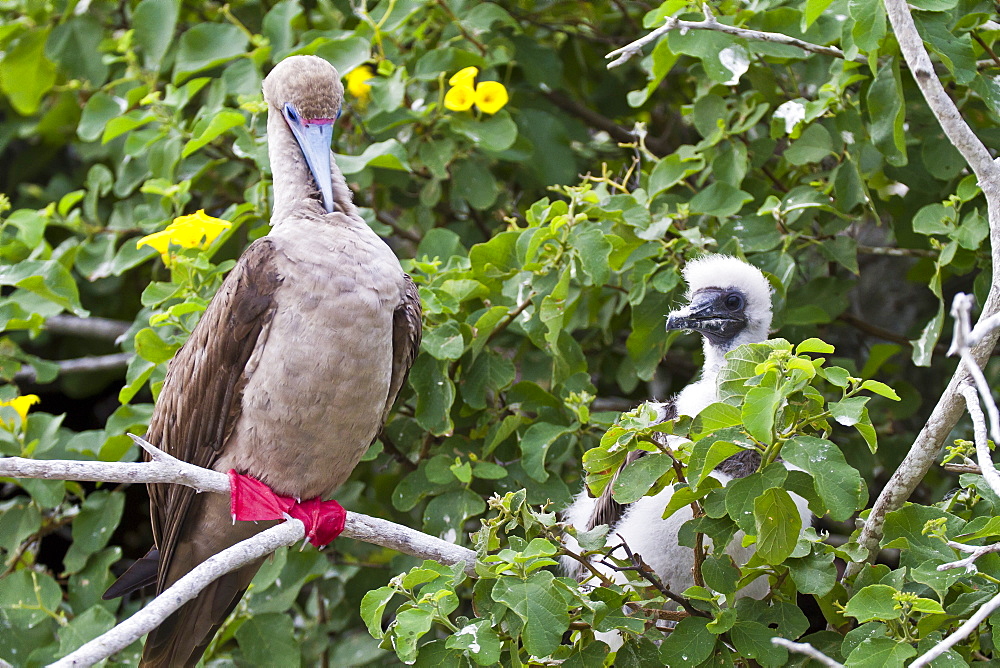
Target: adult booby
(729, 304)
(293, 368)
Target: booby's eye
(290, 113)
(734, 302)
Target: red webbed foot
(252, 500)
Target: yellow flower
(196, 230)
(357, 82)
(460, 98)
(464, 77)
(21, 405)
(491, 96)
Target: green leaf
(150, 346)
(720, 200)
(758, 412)
(880, 389)
(154, 22)
(689, 644)
(707, 454)
(838, 484)
(814, 145)
(753, 640)
(848, 411)
(372, 606)
(444, 342)
(535, 602)
(778, 524)
(494, 133)
(435, 394)
(813, 574)
(880, 653)
(535, 444)
(268, 639)
(26, 75)
(222, 122)
(389, 154)
(76, 36)
(207, 45)
(84, 627)
(869, 23)
(26, 596)
(446, 514)
(48, 279)
(885, 104)
(479, 640)
(923, 347)
(673, 169)
(874, 602)
(638, 477)
(742, 493)
(92, 528)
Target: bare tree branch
(93, 328)
(974, 551)
(182, 591)
(112, 362)
(923, 452)
(625, 53)
(167, 469)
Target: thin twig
(894, 251)
(807, 649)
(974, 552)
(962, 468)
(642, 568)
(710, 23)
(986, 47)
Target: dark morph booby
(293, 368)
(729, 305)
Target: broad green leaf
(535, 444)
(48, 279)
(758, 412)
(389, 154)
(778, 524)
(720, 200)
(742, 493)
(813, 574)
(372, 606)
(269, 640)
(92, 528)
(848, 411)
(26, 75)
(222, 122)
(84, 627)
(880, 389)
(874, 602)
(479, 640)
(869, 23)
(207, 45)
(838, 484)
(435, 394)
(638, 477)
(535, 602)
(885, 102)
(689, 644)
(154, 22)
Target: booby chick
(293, 368)
(729, 305)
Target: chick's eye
(734, 302)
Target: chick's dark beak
(709, 315)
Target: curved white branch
(962, 632)
(975, 551)
(710, 23)
(182, 591)
(167, 469)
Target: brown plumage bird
(293, 368)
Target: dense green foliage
(547, 254)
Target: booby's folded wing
(200, 401)
(406, 333)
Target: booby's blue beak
(314, 138)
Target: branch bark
(631, 49)
(948, 410)
(167, 469)
(112, 362)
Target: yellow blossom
(491, 96)
(21, 405)
(196, 230)
(460, 98)
(357, 82)
(464, 77)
